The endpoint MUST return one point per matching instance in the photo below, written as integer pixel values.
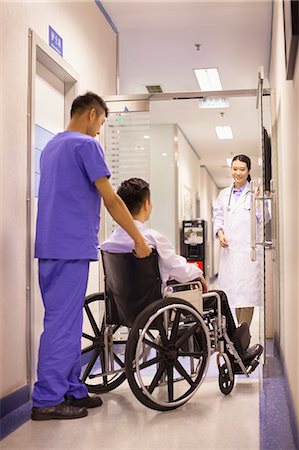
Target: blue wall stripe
(15, 419)
(106, 15)
(277, 417)
(12, 401)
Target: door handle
(252, 221)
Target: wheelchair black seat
(131, 284)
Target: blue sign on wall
(55, 41)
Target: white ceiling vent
(154, 89)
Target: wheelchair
(160, 344)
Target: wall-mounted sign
(55, 41)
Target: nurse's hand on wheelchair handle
(142, 250)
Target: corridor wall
(285, 131)
(90, 48)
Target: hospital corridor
(149, 225)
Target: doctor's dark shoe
(62, 411)
(85, 402)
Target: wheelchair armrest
(191, 292)
(219, 314)
(188, 286)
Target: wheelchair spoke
(162, 331)
(152, 344)
(170, 383)
(92, 321)
(89, 366)
(87, 336)
(157, 378)
(175, 327)
(150, 362)
(87, 349)
(186, 335)
(118, 360)
(193, 354)
(183, 373)
(102, 359)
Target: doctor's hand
(222, 238)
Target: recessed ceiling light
(213, 102)
(164, 154)
(224, 132)
(208, 79)
(146, 136)
(229, 161)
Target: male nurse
(74, 178)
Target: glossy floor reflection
(209, 420)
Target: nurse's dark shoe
(62, 411)
(85, 402)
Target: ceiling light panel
(213, 102)
(224, 132)
(208, 79)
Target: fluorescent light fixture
(146, 136)
(229, 161)
(208, 79)
(213, 102)
(224, 132)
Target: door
(52, 88)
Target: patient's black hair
(134, 192)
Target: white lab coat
(239, 277)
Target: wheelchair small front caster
(225, 383)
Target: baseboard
(292, 412)
(12, 401)
(278, 426)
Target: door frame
(39, 51)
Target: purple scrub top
(69, 204)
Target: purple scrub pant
(63, 285)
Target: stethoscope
(228, 208)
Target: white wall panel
(285, 123)
(90, 48)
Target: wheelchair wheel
(95, 354)
(167, 354)
(225, 384)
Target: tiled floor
(209, 420)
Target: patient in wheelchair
(135, 193)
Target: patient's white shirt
(171, 265)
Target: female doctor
(238, 276)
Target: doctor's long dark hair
(246, 160)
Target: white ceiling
(157, 46)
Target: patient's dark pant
(211, 303)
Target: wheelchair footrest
(250, 359)
(252, 352)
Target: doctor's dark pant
(63, 285)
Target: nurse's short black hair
(134, 192)
(246, 160)
(88, 101)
